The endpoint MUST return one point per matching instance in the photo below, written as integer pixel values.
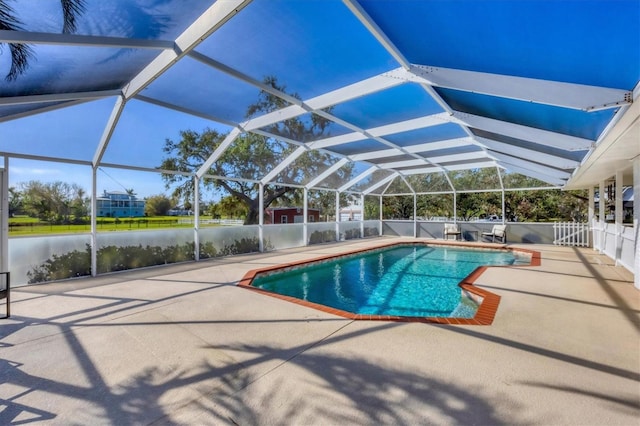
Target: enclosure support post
(337, 215)
(504, 216)
(636, 221)
(261, 217)
(601, 219)
(619, 216)
(305, 219)
(455, 207)
(94, 223)
(361, 215)
(4, 230)
(381, 228)
(196, 218)
(591, 210)
(415, 215)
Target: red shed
(277, 215)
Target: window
(312, 218)
(284, 219)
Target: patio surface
(184, 345)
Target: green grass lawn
(22, 226)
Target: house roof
(414, 91)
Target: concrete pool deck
(184, 345)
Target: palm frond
(71, 9)
(20, 53)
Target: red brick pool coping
(484, 316)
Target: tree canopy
(55, 202)
(157, 205)
(249, 158)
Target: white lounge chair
(498, 231)
(451, 229)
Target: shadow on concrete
(563, 299)
(615, 297)
(379, 394)
(630, 404)
(219, 391)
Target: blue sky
(137, 141)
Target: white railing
(225, 222)
(574, 234)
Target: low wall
(49, 257)
(517, 232)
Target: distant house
(627, 204)
(290, 215)
(180, 211)
(119, 204)
(353, 212)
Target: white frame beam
(362, 88)
(538, 168)
(373, 28)
(28, 37)
(59, 97)
(536, 175)
(515, 151)
(466, 166)
(228, 140)
(377, 185)
(358, 178)
(322, 176)
(477, 155)
(414, 149)
(389, 129)
(560, 94)
(206, 24)
(421, 171)
(283, 164)
(108, 130)
(517, 131)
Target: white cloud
(27, 171)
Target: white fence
(226, 222)
(574, 234)
(617, 242)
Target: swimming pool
(400, 281)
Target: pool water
(411, 280)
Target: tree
(438, 206)
(249, 157)
(79, 205)
(54, 201)
(230, 207)
(157, 205)
(15, 201)
(22, 53)
(371, 208)
(397, 207)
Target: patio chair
(5, 291)
(498, 231)
(451, 229)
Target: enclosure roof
(409, 88)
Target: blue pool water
(411, 280)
